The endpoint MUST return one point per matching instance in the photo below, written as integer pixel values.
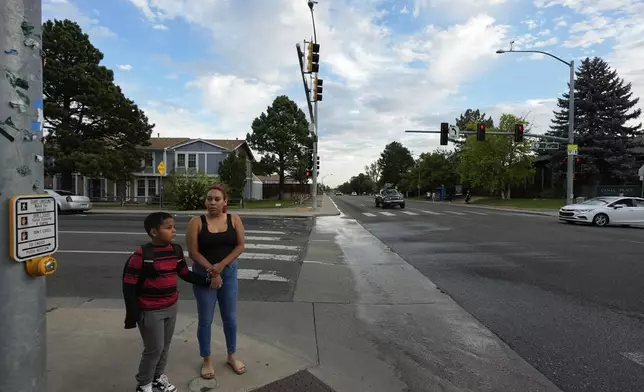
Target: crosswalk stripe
(431, 212)
(272, 246)
(387, 213)
(368, 214)
(455, 213)
(409, 213)
(264, 232)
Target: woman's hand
(217, 269)
(216, 282)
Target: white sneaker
(144, 388)
(162, 384)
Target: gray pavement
(94, 248)
(566, 298)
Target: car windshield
(392, 192)
(596, 202)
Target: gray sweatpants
(157, 328)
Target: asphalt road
(94, 248)
(567, 298)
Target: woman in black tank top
(215, 240)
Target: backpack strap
(147, 269)
(179, 251)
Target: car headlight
(585, 210)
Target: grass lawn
(536, 204)
(255, 204)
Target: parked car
(338, 193)
(354, 193)
(389, 198)
(604, 211)
(69, 202)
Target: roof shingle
(159, 143)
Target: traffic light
(313, 58)
(444, 133)
(310, 166)
(317, 89)
(318, 163)
(480, 132)
(308, 173)
(518, 133)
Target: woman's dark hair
(222, 189)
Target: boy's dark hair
(155, 220)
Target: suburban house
(179, 155)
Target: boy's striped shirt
(157, 292)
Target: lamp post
(571, 114)
(316, 121)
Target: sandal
(237, 366)
(207, 372)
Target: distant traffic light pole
(317, 86)
(29, 231)
(571, 116)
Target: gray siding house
(179, 156)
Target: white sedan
(69, 202)
(603, 211)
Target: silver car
(69, 202)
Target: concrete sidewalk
(325, 208)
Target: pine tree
(603, 106)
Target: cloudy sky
(207, 68)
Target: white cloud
(160, 27)
(63, 9)
(124, 67)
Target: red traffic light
(482, 126)
(308, 173)
(577, 159)
(520, 128)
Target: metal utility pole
(23, 359)
(572, 149)
(316, 123)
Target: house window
(149, 160)
(192, 161)
(181, 160)
(152, 187)
(140, 187)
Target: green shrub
(188, 191)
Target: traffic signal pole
(23, 359)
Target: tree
(298, 162)
(395, 160)
(267, 166)
(360, 183)
(233, 173)
(188, 190)
(280, 133)
(603, 106)
(498, 163)
(92, 128)
(373, 171)
(468, 117)
(436, 169)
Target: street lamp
(571, 113)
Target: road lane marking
(455, 213)
(272, 246)
(388, 214)
(248, 238)
(368, 214)
(431, 212)
(477, 213)
(243, 256)
(409, 213)
(637, 357)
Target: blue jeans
(207, 298)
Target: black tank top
(215, 246)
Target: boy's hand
(216, 282)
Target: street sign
(454, 132)
(161, 168)
(33, 227)
(546, 146)
(573, 149)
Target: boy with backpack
(150, 293)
